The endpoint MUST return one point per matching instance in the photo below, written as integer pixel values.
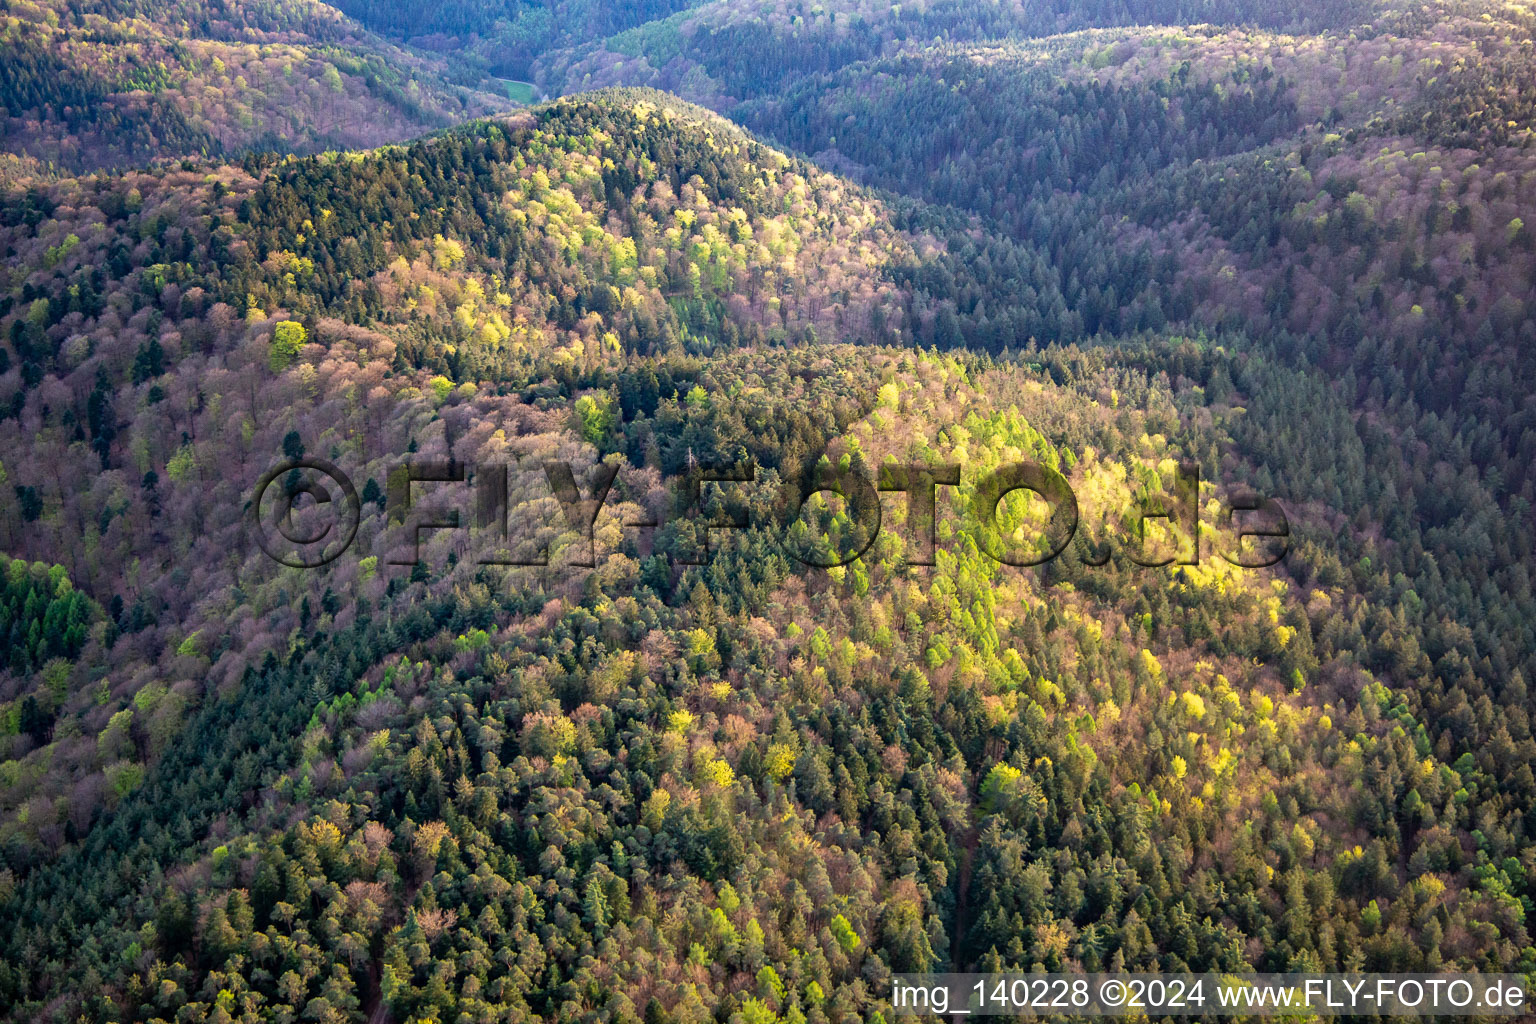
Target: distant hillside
(728, 51)
(503, 37)
(112, 84)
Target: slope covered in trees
(415, 785)
(1339, 211)
(109, 83)
(1360, 195)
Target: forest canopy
(610, 758)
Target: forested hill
(1352, 184)
(114, 83)
(417, 785)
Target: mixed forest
(714, 748)
(119, 83)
